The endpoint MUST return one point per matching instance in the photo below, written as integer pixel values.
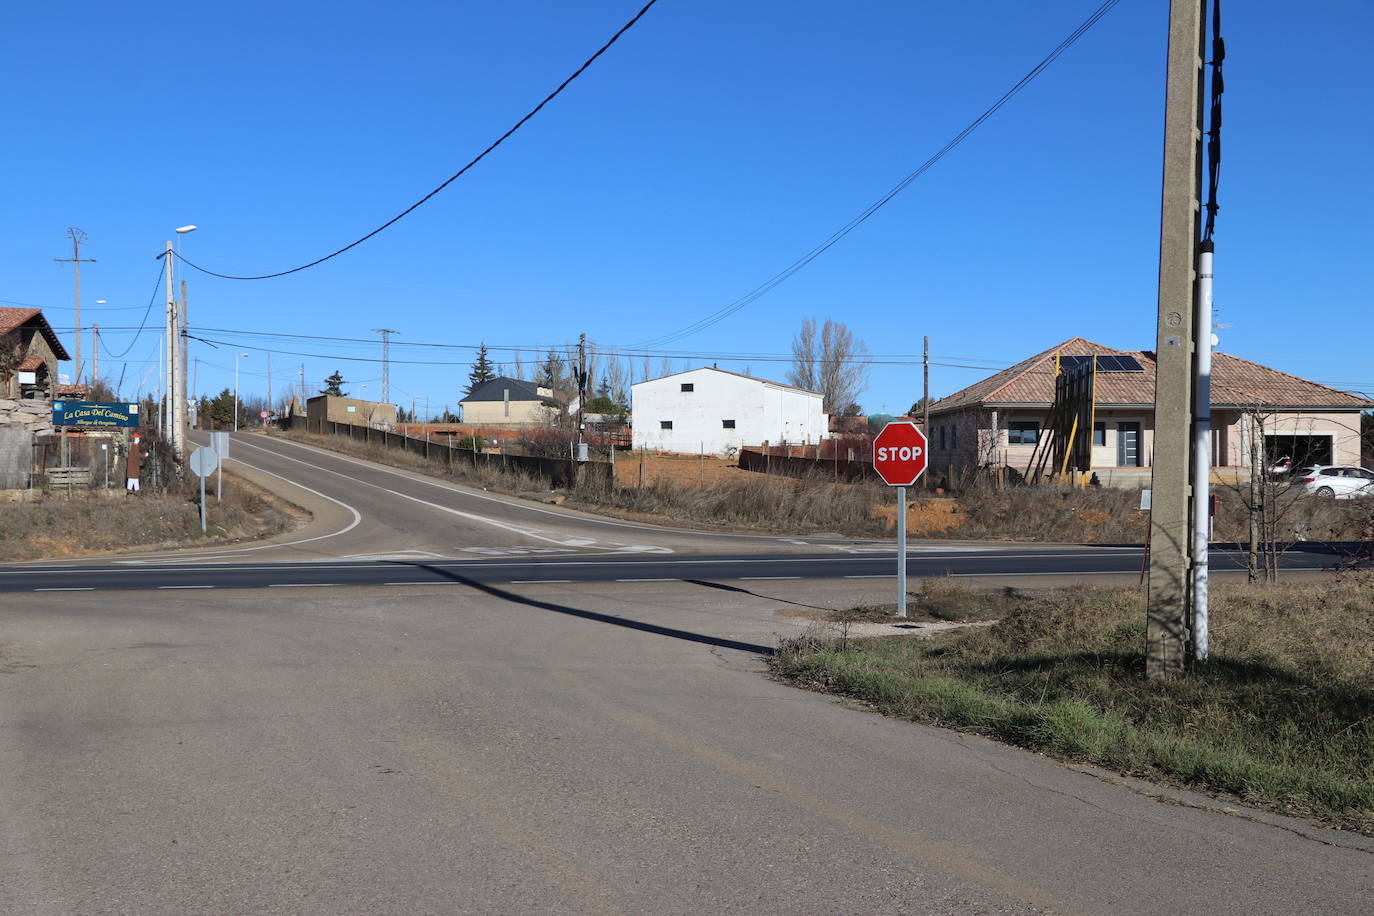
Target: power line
(146, 312)
(452, 178)
(781, 277)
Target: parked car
(1335, 481)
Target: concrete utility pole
(169, 345)
(1171, 543)
(183, 357)
(386, 362)
(925, 385)
(582, 388)
(95, 352)
(77, 237)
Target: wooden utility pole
(95, 352)
(1171, 540)
(76, 260)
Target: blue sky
(714, 145)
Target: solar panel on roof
(1119, 364)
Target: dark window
(1099, 434)
(688, 386)
(942, 436)
(665, 424)
(1023, 432)
(954, 437)
(727, 424)
(1331, 472)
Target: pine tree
(334, 385)
(482, 370)
(551, 372)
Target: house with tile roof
(29, 353)
(1001, 421)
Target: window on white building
(689, 386)
(727, 424)
(665, 424)
(1099, 434)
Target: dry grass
(753, 501)
(1281, 715)
(61, 525)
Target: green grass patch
(1282, 715)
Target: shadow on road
(744, 591)
(625, 622)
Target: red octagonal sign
(899, 453)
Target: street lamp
(236, 386)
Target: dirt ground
(929, 516)
(682, 469)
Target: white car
(1335, 482)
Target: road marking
(67, 588)
(761, 578)
(302, 585)
(434, 582)
(560, 540)
(648, 580)
(874, 576)
(537, 581)
(166, 587)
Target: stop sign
(899, 453)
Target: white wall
(763, 412)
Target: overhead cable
(785, 274)
(146, 312)
(452, 178)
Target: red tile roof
(14, 318)
(1236, 382)
(31, 363)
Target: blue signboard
(94, 414)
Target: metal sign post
(899, 457)
(203, 463)
(220, 443)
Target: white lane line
(538, 581)
(67, 588)
(357, 519)
(648, 580)
(874, 576)
(302, 585)
(436, 582)
(167, 587)
(511, 503)
(761, 578)
(561, 541)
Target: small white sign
(1145, 499)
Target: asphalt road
(502, 746)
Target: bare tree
(519, 364)
(619, 389)
(829, 361)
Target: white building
(716, 410)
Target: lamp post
(236, 390)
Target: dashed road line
(171, 587)
(67, 588)
(648, 580)
(538, 581)
(303, 585)
(761, 578)
(874, 576)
